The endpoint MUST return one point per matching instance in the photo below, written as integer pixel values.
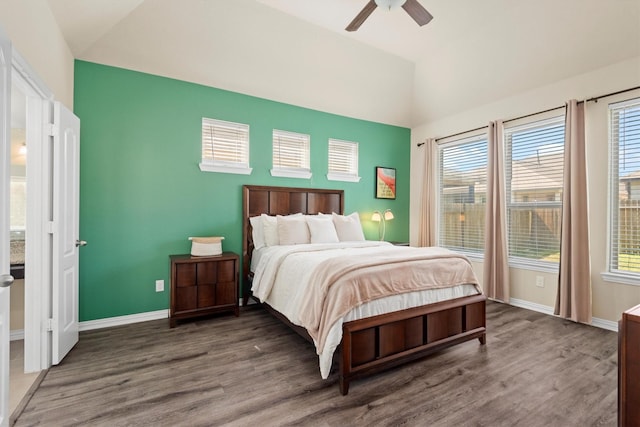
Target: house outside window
(534, 158)
(624, 179)
(462, 183)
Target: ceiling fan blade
(362, 16)
(417, 12)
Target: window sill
(475, 257)
(534, 265)
(341, 177)
(225, 169)
(284, 173)
(624, 278)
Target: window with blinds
(343, 161)
(225, 147)
(534, 159)
(291, 154)
(463, 194)
(624, 144)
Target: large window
(534, 157)
(462, 194)
(343, 161)
(624, 140)
(225, 147)
(291, 154)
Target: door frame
(5, 293)
(38, 270)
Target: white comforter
(281, 277)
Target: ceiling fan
(412, 7)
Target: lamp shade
(390, 4)
(388, 214)
(377, 216)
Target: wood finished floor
(535, 370)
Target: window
(462, 194)
(343, 161)
(534, 158)
(624, 145)
(291, 154)
(225, 147)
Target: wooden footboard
(377, 343)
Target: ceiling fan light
(390, 4)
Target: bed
(368, 342)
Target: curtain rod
(420, 144)
(595, 99)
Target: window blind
(291, 152)
(343, 160)
(225, 144)
(463, 194)
(624, 140)
(534, 158)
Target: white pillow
(258, 232)
(348, 227)
(292, 230)
(270, 229)
(322, 229)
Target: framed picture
(385, 183)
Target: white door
(5, 278)
(66, 209)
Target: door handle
(81, 243)
(6, 280)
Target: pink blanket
(340, 284)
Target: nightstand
(203, 285)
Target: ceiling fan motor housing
(412, 7)
(390, 4)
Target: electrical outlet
(159, 285)
(540, 281)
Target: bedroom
(121, 170)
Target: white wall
(609, 299)
(247, 47)
(36, 36)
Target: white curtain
(427, 225)
(574, 281)
(496, 261)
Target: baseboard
(16, 335)
(123, 320)
(595, 321)
(531, 306)
(605, 324)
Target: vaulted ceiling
(391, 70)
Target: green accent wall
(142, 194)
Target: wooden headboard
(257, 199)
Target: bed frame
(375, 343)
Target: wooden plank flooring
(535, 370)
